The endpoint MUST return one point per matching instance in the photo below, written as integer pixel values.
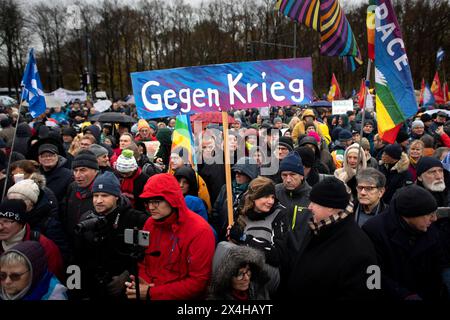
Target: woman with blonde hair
(76, 145)
(415, 152)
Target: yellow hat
(142, 124)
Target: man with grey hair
(102, 157)
(430, 175)
(370, 187)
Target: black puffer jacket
(59, 178)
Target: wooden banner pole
(226, 149)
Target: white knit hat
(28, 188)
(126, 162)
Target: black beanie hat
(331, 193)
(425, 117)
(85, 158)
(426, 163)
(414, 201)
(13, 209)
(402, 136)
(307, 155)
(292, 162)
(286, 142)
(394, 151)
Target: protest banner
(341, 106)
(162, 93)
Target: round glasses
(240, 275)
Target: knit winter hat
(330, 193)
(107, 183)
(414, 201)
(292, 162)
(286, 142)
(98, 150)
(345, 135)
(394, 151)
(315, 135)
(85, 158)
(276, 120)
(126, 162)
(426, 163)
(13, 209)
(142, 124)
(27, 188)
(417, 123)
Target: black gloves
(117, 286)
(237, 234)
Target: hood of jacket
(245, 166)
(166, 186)
(34, 254)
(401, 165)
(308, 113)
(228, 262)
(23, 130)
(39, 179)
(310, 140)
(189, 174)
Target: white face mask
(18, 177)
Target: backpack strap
(35, 235)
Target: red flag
(335, 91)
(422, 89)
(446, 94)
(362, 94)
(390, 135)
(436, 89)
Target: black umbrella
(114, 117)
(320, 104)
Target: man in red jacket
(178, 261)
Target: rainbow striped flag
(395, 98)
(328, 18)
(182, 137)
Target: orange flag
(422, 89)
(436, 89)
(335, 91)
(362, 94)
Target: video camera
(91, 225)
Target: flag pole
(8, 169)
(226, 150)
(366, 84)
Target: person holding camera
(178, 262)
(104, 258)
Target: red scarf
(127, 186)
(240, 295)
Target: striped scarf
(316, 227)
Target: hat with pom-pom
(126, 162)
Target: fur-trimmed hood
(229, 258)
(402, 164)
(346, 173)
(39, 179)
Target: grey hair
(13, 257)
(373, 175)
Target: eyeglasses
(154, 203)
(241, 275)
(367, 188)
(13, 276)
(6, 223)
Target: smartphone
(137, 237)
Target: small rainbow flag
(182, 137)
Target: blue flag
(32, 88)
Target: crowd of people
(318, 201)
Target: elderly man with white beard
(430, 175)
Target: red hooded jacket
(179, 258)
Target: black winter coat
(110, 256)
(333, 264)
(58, 179)
(396, 177)
(409, 261)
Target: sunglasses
(12, 276)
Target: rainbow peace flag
(326, 17)
(182, 137)
(395, 98)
